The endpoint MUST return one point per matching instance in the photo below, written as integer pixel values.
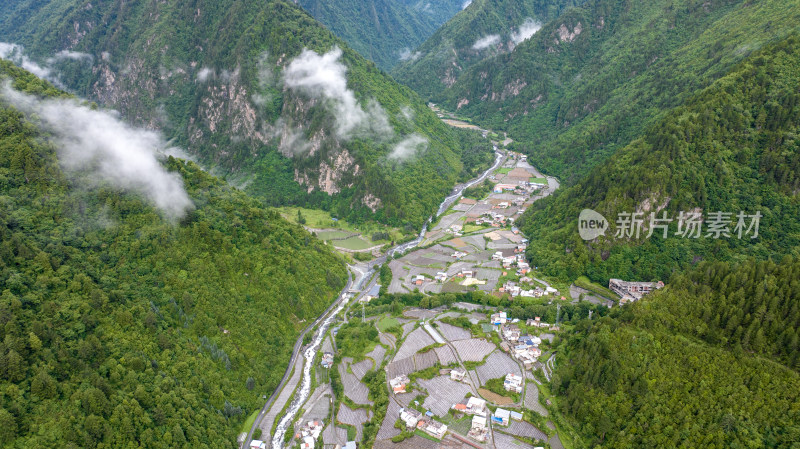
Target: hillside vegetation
(123, 329)
(383, 31)
(213, 75)
(710, 361)
(731, 148)
(451, 51)
(594, 78)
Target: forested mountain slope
(732, 148)
(230, 82)
(484, 29)
(591, 80)
(384, 31)
(710, 361)
(121, 328)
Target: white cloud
(16, 54)
(465, 4)
(486, 42)
(408, 147)
(98, 143)
(407, 55)
(407, 113)
(323, 76)
(528, 28)
(205, 74)
(74, 55)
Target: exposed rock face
(227, 105)
(565, 35)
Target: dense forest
(595, 77)
(710, 361)
(212, 75)
(731, 148)
(441, 59)
(121, 328)
(383, 31)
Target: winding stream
(310, 353)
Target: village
(464, 375)
(475, 243)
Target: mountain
(711, 360)
(259, 92)
(383, 31)
(594, 78)
(731, 148)
(122, 324)
(481, 31)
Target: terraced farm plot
(361, 368)
(377, 354)
(400, 367)
(497, 365)
(467, 306)
(420, 314)
(555, 442)
(451, 314)
(494, 397)
(532, 399)
(442, 394)
(328, 235)
(327, 346)
(525, 429)
(353, 388)
(387, 322)
(426, 360)
(446, 355)
(415, 341)
(453, 333)
(388, 339)
(503, 441)
(355, 243)
(474, 349)
(408, 327)
(353, 417)
(387, 429)
(333, 435)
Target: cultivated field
(474, 349)
(442, 393)
(426, 360)
(446, 356)
(453, 333)
(353, 388)
(497, 365)
(415, 341)
(353, 417)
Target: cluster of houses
(513, 383)
(399, 384)
(415, 419)
(455, 230)
(477, 408)
(632, 291)
(524, 348)
(309, 433)
(511, 258)
(327, 360)
(493, 219)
